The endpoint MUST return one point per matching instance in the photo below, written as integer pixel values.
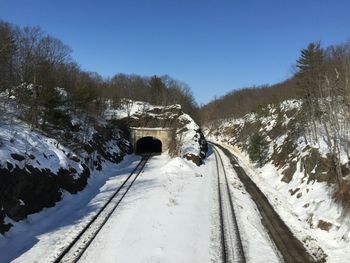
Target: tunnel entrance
(148, 145)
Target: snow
(303, 205)
(279, 141)
(304, 222)
(42, 234)
(269, 124)
(188, 143)
(47, 152)
(167, 216)
(290, 105)
(127, 108)
(257, 244)
(62, 92)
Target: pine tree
(8, 51)
(258, 148)
(310, 65)
(157, 89)
(309, 83)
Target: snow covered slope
(297, 176)
(35, 169)
(38, 166)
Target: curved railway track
(77, 247)
(290, 248)
(231, 243)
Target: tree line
(237, 103)
(36, 69)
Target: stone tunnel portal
(155, 139)
(148, 145)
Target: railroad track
(231, 243)
(77, 247)
(290, 248)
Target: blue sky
(214, 46)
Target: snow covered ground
(334, 242)
(165, 218)
(43, 234)
(257, 245)
(169, 215)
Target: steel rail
(291, 249)
(232, 250)
(137, 170)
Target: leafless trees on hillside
(35, 68)
(237, 103)
(155, 90)
(323, 84)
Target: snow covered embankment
(35, 169)
(298, 178)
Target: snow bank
(21, 146)
(297, 177)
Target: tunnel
(148, 145)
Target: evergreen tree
(158, 89)
(258, 148)
(8, 50)
(310, 64)
(309, 82)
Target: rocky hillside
(272, 135)
(37, 167)
(189, 141)
(296, 173)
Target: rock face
(189, 141)
(35, 169)
(26, 191)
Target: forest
(319, 73)
(36, 68)
(321, 83)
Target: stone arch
(165, 135)
(148, 144)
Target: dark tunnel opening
(148, 145)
